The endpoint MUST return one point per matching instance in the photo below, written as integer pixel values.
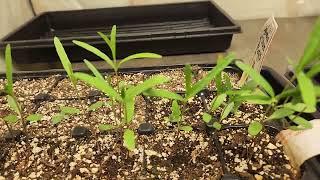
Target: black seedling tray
(171, 29)
(278, 82)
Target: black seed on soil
(80, 132)
(230, 177)
(146, 129)
(205, 93)
(13, 135)
(43, 97)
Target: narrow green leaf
(69, 110)
(163, 94)
(280, 113)
(93, 69)
(256, 77)
(9, 69)
(186, 128)
(107, 40)
(64, 59)
(307, 90)
(206, 117)
(200, 85)
(312, 50)
(315, 69)
(217, 101)
(219, 83)
(300, 121)
(57, 118)
(300, 107)
(95, 51)
(150, 83)
(34, 118)
(227, 110)
(254, 99)
(175, 108)
(96, 106)
(129, 110)
(99, 84)
(255, 128)
(217, 125)
(288, 93)
(11, 118)
(14, 105)
(188, 77)
(105, 127)
(227, 80)
(129, 139)
(138, 56)
(113, 36)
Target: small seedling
(176, 117)
(64, 113)
(191, 89)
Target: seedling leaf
(206, 117)
(307, 90)
(312, 51)
(186, 128)
(34, 118)
(11, 118)
(129, 140)
(8, 59)
(188, 77)
(227, 110)
(217, 125)
(255, 128)
(138, 56)
(280, 113)
(129, 110)
(140, 88)
(163, 94)
(300, 121)
(105, 127)
(99, 84)
(57, 118)
(314, 70)
(300, 107)
(95, 51)
(93, 69)
(14, 105)
(200, 85)
(217, 101)
(64, 59)
(69, 110)
(96, 106)
(256, 77)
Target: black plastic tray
(170, 29)
(278, 82)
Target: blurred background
(295, 18)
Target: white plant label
(265, 38)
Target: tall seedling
(12, 100)
(126, 97)
(111, 42)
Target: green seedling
(126, 97)
(65, 63)
(191, 89)
(64, 114)
(111, 42)
(176, 117)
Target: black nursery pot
(170, 29)
(310, 167)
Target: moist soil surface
(48, 151)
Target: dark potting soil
(49, 151)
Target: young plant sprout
(64, 113)
(12, 100)
(191, 90)
(112, 45)
(126, 98)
